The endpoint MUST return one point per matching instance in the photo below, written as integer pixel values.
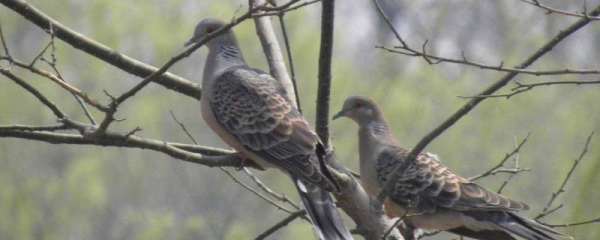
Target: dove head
(362, 110)
(208, 26)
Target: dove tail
(322, 212)
(529, 229)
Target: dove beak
(189, 42)
(340, 114)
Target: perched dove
(427, 194)
(251, 112)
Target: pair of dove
(250, 111)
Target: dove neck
(377, 128)
(223, 53)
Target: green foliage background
(83, 192)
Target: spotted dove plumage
(427, 193)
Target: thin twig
(57, 112)
(389, 23)
(256, 192)
(434, 59)
(53, 65)
(279, 10)
(561, 189)
(4, 44)
(265, 188)
(498, 167)
(391, 228)
(40, 54)
(515, 158)
(550, 10)
(183, 127)
(288, 50)
(595, 220)
(524, 87)
(284, 222)
(66, 86)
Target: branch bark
(325, 55)
(270, 45)
(371, 222)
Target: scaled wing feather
(252, 106)
(426, 184)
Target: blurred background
(86, 192)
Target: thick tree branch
(371, 222)
(212, 157)
(325, 55)
(471, 104)
(268, 40)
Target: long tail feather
(530, 229)
(322, 211)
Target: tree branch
(284, 222)
(371, 222)
(57, 112)
(546, 211)
(266, 189)
(434, 59)
(211, 157)
(66, 86)
(595, 220)
(270, 45)
(524, 87)
(498, 168)
(550, 10)
(288, 50)
(325, 55)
